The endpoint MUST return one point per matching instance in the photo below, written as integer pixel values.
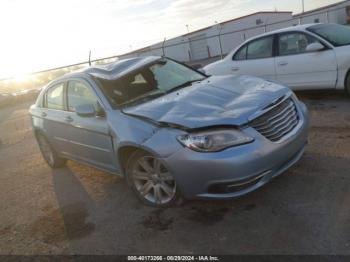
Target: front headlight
(214, 140)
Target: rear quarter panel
(343, 60)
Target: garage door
(198, 45)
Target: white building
(336, 13)
(220, 39)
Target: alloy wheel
(153, 181)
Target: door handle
(68, 119)
(236, 68)
(43, 114)
(282, 63)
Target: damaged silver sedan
(172, 131)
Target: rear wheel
(347, 84)
(153, 184)
(49, 154)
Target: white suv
(314, 56)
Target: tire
(152, 183)
(347, 84)
(49, 154)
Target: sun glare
(21, 78)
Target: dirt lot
(79, 210)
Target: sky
(42, 34)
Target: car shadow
(321, 94)
(74, 202)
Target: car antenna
(90, 58)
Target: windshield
(337, 35)
(149, 82)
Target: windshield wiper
(158, 93)
(144, 97)
(187, 83)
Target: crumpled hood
(218, 100)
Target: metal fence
(220, 43)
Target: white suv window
(260, 48)
(294, 43)
(241, 54)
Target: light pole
(220, 44)
(189, 43)
(303, 5)
(90, 58)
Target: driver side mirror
(86, 110)
(314, 47)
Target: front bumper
(238, 170)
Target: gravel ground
(79, 210)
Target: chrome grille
(277, 122)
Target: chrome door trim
(81, 144)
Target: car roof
(296, 27)
(287, 29)
(113, 70)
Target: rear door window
(54, 97)
(260, 48)
(241, 54)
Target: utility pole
(303, 5)
(188, 30)
(90, 58)
(220, 44)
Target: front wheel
(151, 181)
